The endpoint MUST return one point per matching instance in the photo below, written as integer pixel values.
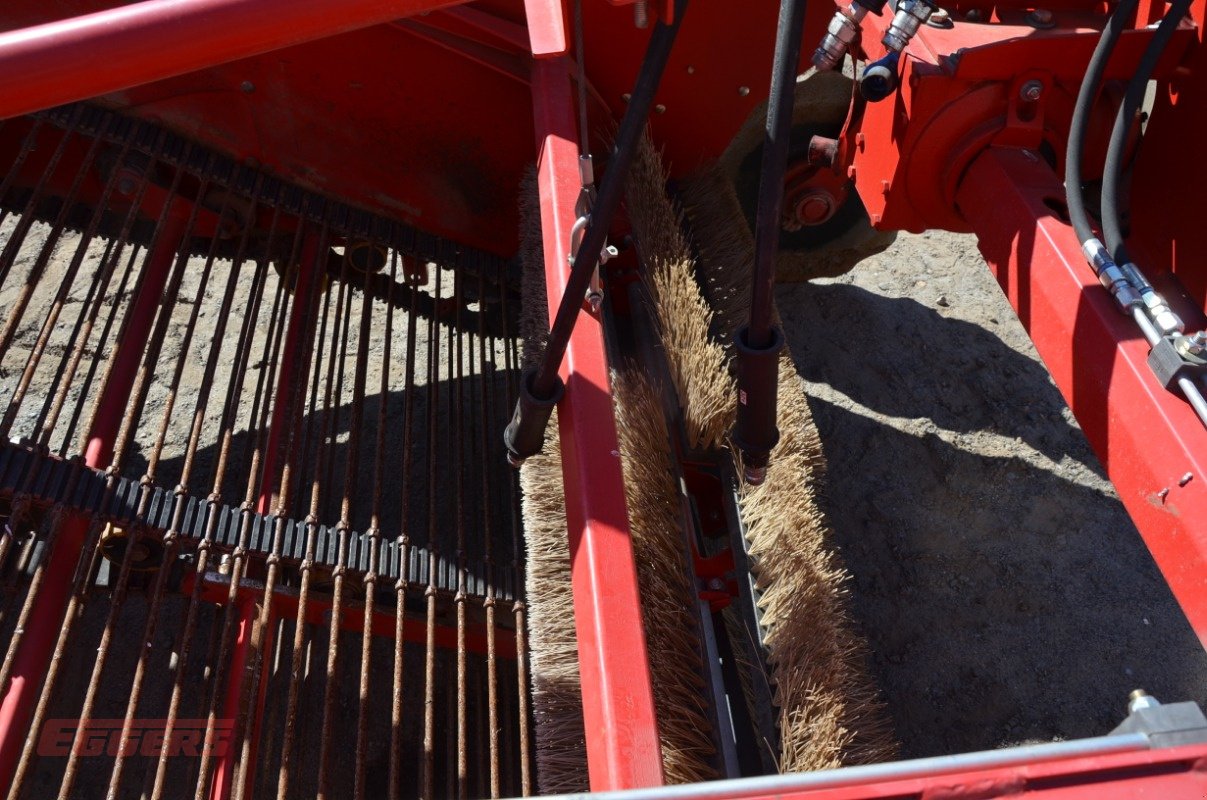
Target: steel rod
(45, 622)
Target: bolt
(1193, 345)
(641, 14)
(974, 15)
(743, 90)
(1185, 479)
(626, 97)
(125, 185)
(1139, 700)
(939, 18)
(660, 109)
(247, 87)
(1041, 18)
(716, 584)
(1031, 91)
(691, 70)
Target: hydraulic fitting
(911, 15)
(1111, 276)
(1175, 357)
(879, 79)
(756, 432)
(1163, 317)
(839, 35)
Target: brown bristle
(561, 751)
(829, 714)
(667, 597)
(680, 311)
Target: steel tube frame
(1116, 766)
(33, 654)
(618, 706)
(82, 57)
(1149, 440)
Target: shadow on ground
(1005, 592)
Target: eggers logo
(147, 737)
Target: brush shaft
(776, 134)
(611, 188)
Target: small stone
(943, 301)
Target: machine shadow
(902, 359)
(978, 575)
(447, 474)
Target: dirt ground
(1004, 590)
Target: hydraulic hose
(759, 342)
(1112, 177)
(1086, 96)
(541, 388)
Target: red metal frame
(1148, 439)
(618, 706)
(56, 63)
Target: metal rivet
(626, 97)
(660, 109)
(743, 90)
(247, 87)
(691, 70)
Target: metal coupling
(839, 35)
(1167, 322)
(911, 15)
(1111, 276)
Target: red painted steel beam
(45, 621)
(74, 59)
(1151, 443)
(618, 706)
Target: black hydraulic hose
(541, 389)
(758, 344)
(1112, 176)
(1086, 96)
(777, 132)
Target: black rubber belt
(46, 479)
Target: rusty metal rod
(29, 662)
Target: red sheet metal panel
(81, 57)
(1150, 441)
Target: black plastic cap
(756, 432)
(525, 434)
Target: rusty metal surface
(296, 517)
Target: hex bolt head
(1041, 18)
(1031, 91)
